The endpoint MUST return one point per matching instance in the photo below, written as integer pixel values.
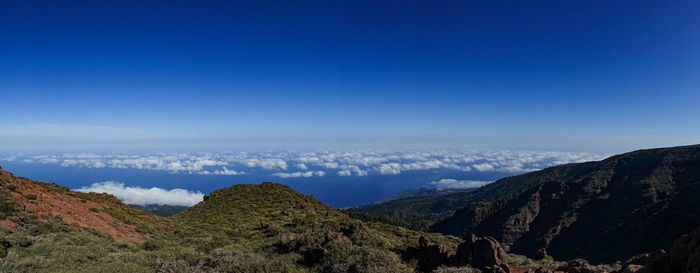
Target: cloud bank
(290, 163)
(458, 184)
(300, 174)
(143, 196)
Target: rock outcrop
(488, 255)
(464, 251)
(541, 254)
(485, 254)
(684, 257)
(429, 255)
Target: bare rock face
(488, 255)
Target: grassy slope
(244, 228)
(273, 226)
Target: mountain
(27, 204)
(271, 227)
(45, 227)
(265, 227)
(422, 192)
(609, 210)
(601, 211)
(160, 210)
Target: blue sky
(577, 75)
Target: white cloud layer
(300, 174)
(458, 184)
(143, 196)
(287, 164)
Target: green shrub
(30, 196)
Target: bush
(30, 196)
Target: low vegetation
(245, 228)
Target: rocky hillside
(601, 211)
(22, 199)
(270, 227)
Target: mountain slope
(268, 227)
(272, 227)
(102, 212)
(45, 227)
(601, 211)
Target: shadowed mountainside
(601, 211)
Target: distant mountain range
(601, 211)
(160, 210)
(422, 192)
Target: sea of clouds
(294, 164)
(291, 164)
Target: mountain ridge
(570, 204)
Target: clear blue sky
(587, 75)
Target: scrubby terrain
(642, 205)
(264, 227)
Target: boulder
(487, 252)
(429, 255)
(679, 253)
(423, 242)
(541, 254)
(464, 251)
(685, 253)
(632, 268)
(659, 262)
(642, 259)
(576, 266)
(489, 256)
